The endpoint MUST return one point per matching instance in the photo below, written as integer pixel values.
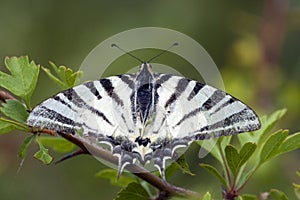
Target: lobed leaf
(133, 191)
(183, 165)
(111, 175)
(43, 154)
(58, 144)
(25, 145)
(270, 147)
(179, 164)
(23, 78)
(15, 110)
(66, 77)
(214, 172)
(56, 80)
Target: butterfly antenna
(164, 51)
(116, 46)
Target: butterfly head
(145, 67)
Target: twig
(5, 96)
(162, 185)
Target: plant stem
(248, 178)
(227, 174)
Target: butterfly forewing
(90, 107)
(191, 107)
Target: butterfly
(144, 116)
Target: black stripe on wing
(109, 88)
(181, 86)
(160, 79)
(228, 127)
(215, 98)
(53, 115)
(128, 80)
(198, 86)
(79, 102)
(58, 99)
(93, 89)
(226, 103)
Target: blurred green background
(255, 44)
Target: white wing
(187, 110)
(192, 108)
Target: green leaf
(180, 164)
(214, 172)
(23, 78)
(207, 196)
(235, 159)
(183, 165)
(133, 191)
(58, 144)
(25, 146)
(66, 78)
(14, 110)
(246, 152)
(43, 154)
(267, 123)
(6, 127)
(248, 137)
(232, 158)
(278, 195)
(111, 175)
(272, 144)
(291, 143)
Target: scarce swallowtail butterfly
(144, 116)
